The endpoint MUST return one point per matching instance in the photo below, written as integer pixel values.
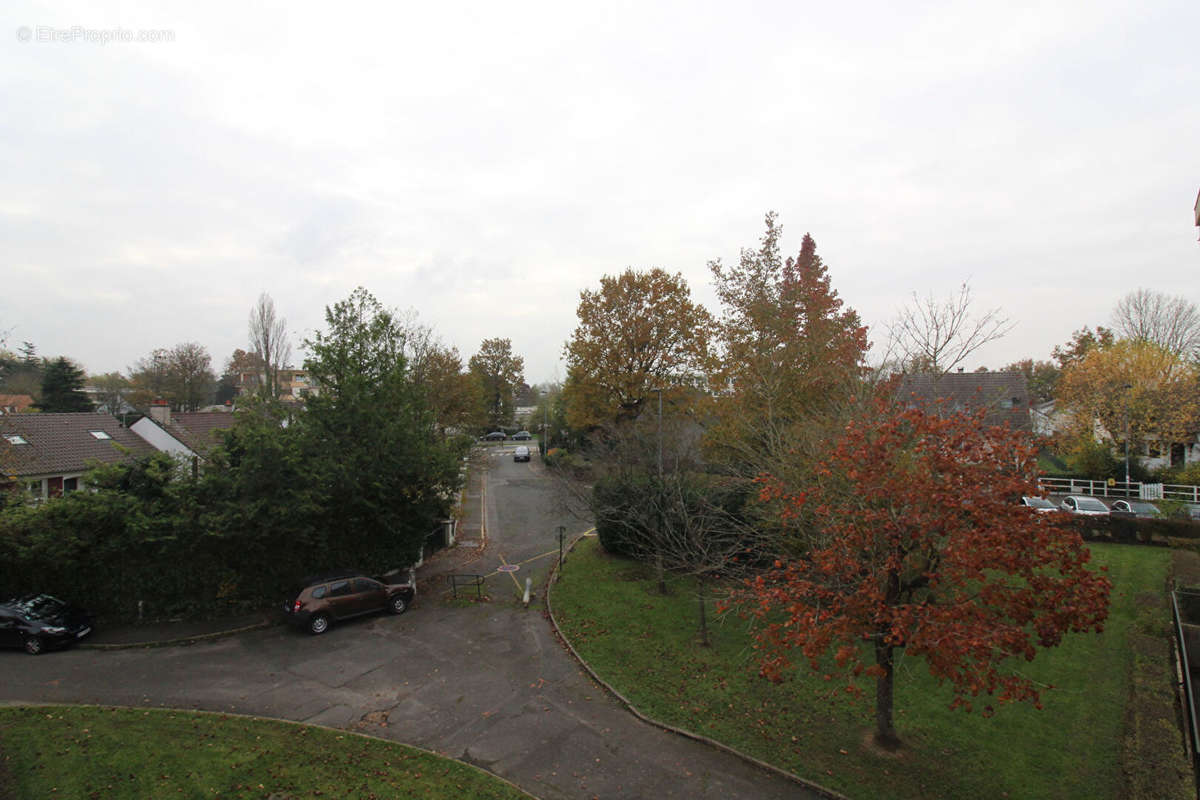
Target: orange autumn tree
(915, 540)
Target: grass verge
(94, 752)
(644, 644)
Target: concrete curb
(260, 718)
(807, 784)
(199, 637)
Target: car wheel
(398, 605)
(33, 645)
(318, 624)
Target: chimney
(160, 412)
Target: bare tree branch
(268, 338)
(1172, 323)
(936, 335)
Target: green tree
(498, 374)
(371, 437)
(638, 333)
(62, 387)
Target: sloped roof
(198, 429)
(19, 402)
(62, 443)
(1005, 395)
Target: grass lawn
(645, 645)
(92, 752)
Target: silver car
(1082, 504)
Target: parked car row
(500, 436)
(1086, 505)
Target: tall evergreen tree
(62, 387)
(370, 435)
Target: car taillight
(295, 606)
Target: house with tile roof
(183, 434)
(1004, 395)
(47, 454)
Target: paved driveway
(486, 683)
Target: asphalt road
(487, 683)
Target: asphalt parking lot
(486, 683)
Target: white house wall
(159, 439)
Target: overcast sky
(483, 163)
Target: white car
(1082, 504)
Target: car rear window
(319, 592)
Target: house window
(70, 485)
(35, 488)
(100, 435)
(15, 438)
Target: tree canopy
(498, 374)
(1135, 383)
(789, 349)
(62, 387)
(639, 332)
(899, 554)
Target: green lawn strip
(88, 751)
(645, 645)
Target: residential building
(185, 434)
(47, 454)
(294, 384)
(1004, 395)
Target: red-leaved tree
(916, 540)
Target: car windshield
(1038, 502)
(38, 606)
(1143, 508)
(1090, 504)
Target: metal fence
(1187, 637)
(466, 582)
(1120, 489)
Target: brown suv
(323, 599)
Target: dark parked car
(320, 600)
(36, 622)
(1136, 508)
(521, 453)
(522, 436)
(495, 436)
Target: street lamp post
(1127, 387)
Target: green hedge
(1132, 530)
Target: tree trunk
(885, 731)
(703, 614)
(661, 572)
